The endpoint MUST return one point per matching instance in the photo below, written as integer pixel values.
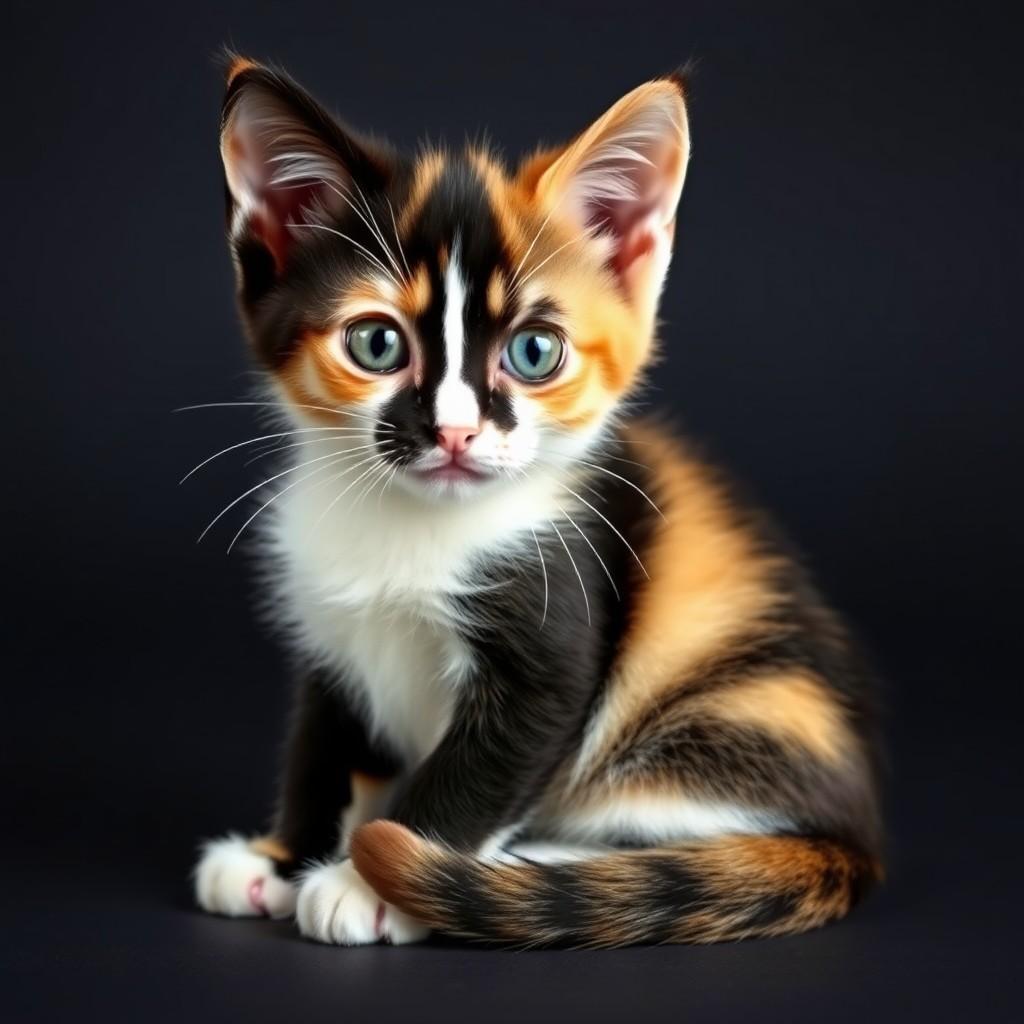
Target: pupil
(379, 342)
(534, 351)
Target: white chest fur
(369, 590)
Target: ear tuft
(683, 78)
(235, 64)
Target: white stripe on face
(455, 405)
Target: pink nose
(455, 440)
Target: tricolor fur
(520, 616)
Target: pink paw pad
(256, 896)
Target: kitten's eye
(377, 346)
(534, 354)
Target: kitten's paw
(336, 905)
(231, 879)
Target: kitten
(590, 696)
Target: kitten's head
(477, 324)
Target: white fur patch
(336, 905)
(549, 853)
(655, 820)
(226, 876)
(369, 590)
(456, 405)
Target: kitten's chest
(400, 664)
(379, 607)
(386, 593)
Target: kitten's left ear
(622, 178)
(288, 164)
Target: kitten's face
(476, 326)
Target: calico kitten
(590, 696)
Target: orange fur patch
(708, 585)
(367, 786)
(315, 374)
(415, 296)
(272, 847)
(425, 176)
(383, 852)
(496, 294)
(789, 706)
(239, 65)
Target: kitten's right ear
(287, 162)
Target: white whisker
(277, 494)
(544, 573)
(398, 241)
(552, 255)
(611, 525)
(338, 497)
(629, 483)
(526, 255)
(600, 560)
(281, 405)
(302, 444)
(290, 486)
(381, 471)
(380, 234)
(362, 248)
(263, 483)
(575, 569)
(373, 228)
(536, 238)
(268, 437)
(384, 489)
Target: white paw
(336, 905)
(230, 879)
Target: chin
(451, 487)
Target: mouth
(452, 472)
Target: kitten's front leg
(470, 793)
(333, 779)
(336, 905)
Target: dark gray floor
(98, 918)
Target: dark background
(843, 330)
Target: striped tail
(731, 887)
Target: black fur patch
(537, 677)
(326, 742)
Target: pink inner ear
(635, 218)
(272, 207)
(284, 206)
(277, 171)
(636, 243)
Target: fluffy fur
(518, 615)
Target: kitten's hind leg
(238, 878)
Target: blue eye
(533, 354)
(377, 346)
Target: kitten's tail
(730, 887)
